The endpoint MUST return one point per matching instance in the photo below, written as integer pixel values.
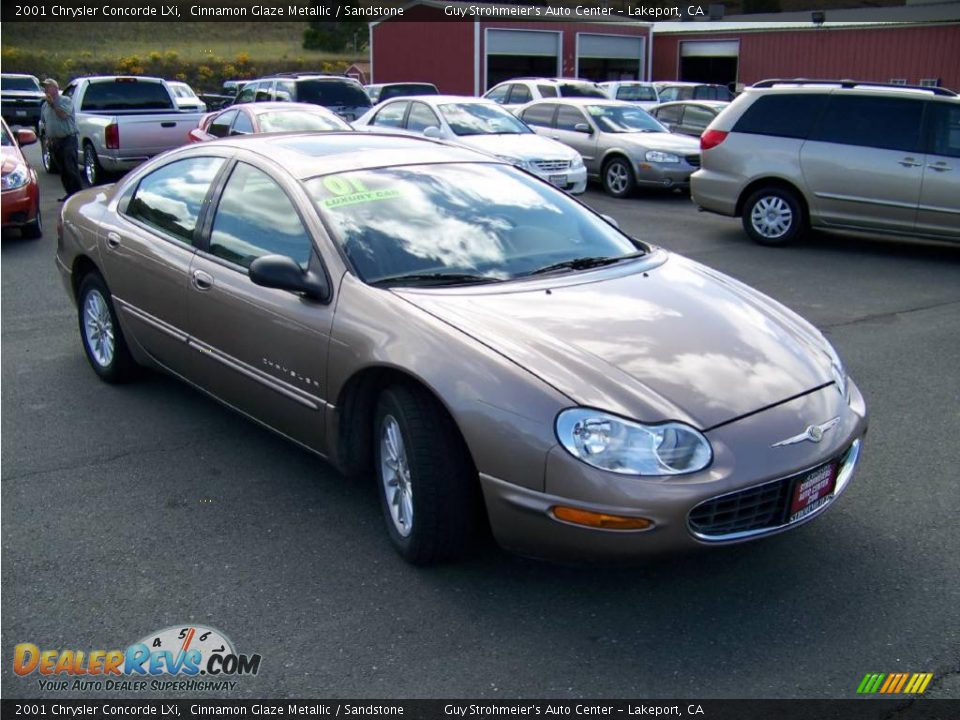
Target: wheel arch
(772, 182)
(81, 267)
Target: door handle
(168, 124)
(910, 162)
(113, 240)
(202, 280)
(940, 167)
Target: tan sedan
(485, 346)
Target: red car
(267, 117)
(21, 192)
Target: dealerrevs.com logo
(182, 657)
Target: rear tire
(774, 216)
(33, 230)
(100, 333)
(92, 170)
(618, 178)
(428, 487)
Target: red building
(468, 56)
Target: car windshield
(636, 92)
(300, 121)
(623, 119)
(182, 91)
(332, 93)
(580, 90)
(481, 119)
(5, 138)
(460, 222)
(20, 84)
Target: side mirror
(432, 132)
(282, 273)
(611, 220)
(583, 128)
(25, 136)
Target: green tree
(335, 36)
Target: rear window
(581, 90)
(712, 92)
(21, 84)
(393, 91)
(127, 95)
(790, 116)
(332, 93)
(886, 123)
(636, 93)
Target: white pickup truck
(121, 122)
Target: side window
(391, 115)
(568, 118)
(254, 218)
(696, 118)
(220, 127)
(519, 94)
(498, 94)
(887, 123)
(265, 90)
(69, 90)
(421, 117)
(171, 197)
(944, 129)
(669, 114)
(242, 125)
(286, 90)
(540, 115)
(247, 93)
(782, 115)
(668, 94)
(547, 90)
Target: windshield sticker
(350, 191)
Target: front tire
(428, 487)
(773, 216)
(92, 170)
(618, 178)
(100, 333)
(34, 229)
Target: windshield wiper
(438, 278)
(585, 263)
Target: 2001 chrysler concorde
(490, 348)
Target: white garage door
(610, 46)
(523, 42)
(710, 48)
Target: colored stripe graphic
(894, 683)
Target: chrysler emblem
(814, 433)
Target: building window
(929, 82)
(898, 81)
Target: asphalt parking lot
(126, 510)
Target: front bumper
(664, 175)
(20, 206)
(744, 459)
(573, 181)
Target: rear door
(147, 248)
(939, 210)
(261, 350)
(863, 164)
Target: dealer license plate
(558, 180)
(812, 491)
(20, 113)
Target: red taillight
(712, 138)
(112, 136)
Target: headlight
(623, 446)
(517, 162)
(576, 163)
(16, 178)
(661, 157)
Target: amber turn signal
(599, 520)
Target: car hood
(669, 142)
(523, 147)
(665, 339)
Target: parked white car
(481, 125)
(642, 94)
(185, 97)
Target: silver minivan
(786, 156)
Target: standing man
(61, 136)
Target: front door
(939, 212)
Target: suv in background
(791, 154)
(677, 90)
(520, 91)
(345, 96)
(21, 98)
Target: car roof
(308, 155)
(280, 106)
(846, 86)
(585, 101)
(18, 75)
(709, 103)
(444, 99)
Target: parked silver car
(788, 155)
(688, 117)
(620, 143)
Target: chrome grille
(752, 509)
(693, 160)
(550, 166)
